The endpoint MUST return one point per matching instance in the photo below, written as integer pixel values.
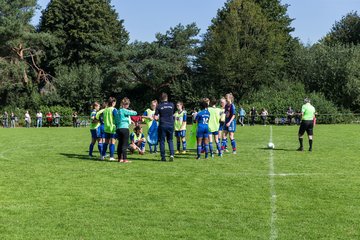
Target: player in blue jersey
(202, 133)
(222, 117)
(230, 122)
(95, 130)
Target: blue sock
(100, 147)
(91, 148)
(142, 146)
(112, 149)
(223, 143)
(198, 150)
(226, 141)
(218, 147)
(178, 145)
(211, 147)
(150, 148)
(105, 145)
(184, 145)
(206, 150)
(233, 144)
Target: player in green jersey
(214, 124)
(137, 141)
(110, 129)
(180, 126)
(148, 119)
(95, 130)
(307, 124)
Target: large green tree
(245, 46)
(21, 51)
(146, 69)
(331, 70)
(81, 28)
(345, 31)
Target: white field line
(273, 230)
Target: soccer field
(50, 189)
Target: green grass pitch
(49, 189)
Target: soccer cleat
(126, 161)
(121, 160)
(141, 152)
(310, 149)
(212, 155)
(226, 150)
(177, 152)
(183, 152)
(220, 155)
(171, 158)
(300, 149)
(163, 160)
(102, 158)
(112, 159)
(234, 152)
(197, 158)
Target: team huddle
(163, 121)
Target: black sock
(310, 143)
(301, 142)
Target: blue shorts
(181, 133)
(215, 133)
(95, 133)
(202, 132)
(221, 127)
(231, 127)
(110, 135)
(102, 131)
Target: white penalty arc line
(273, 230)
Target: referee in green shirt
(307, 124)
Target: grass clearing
(49, 189)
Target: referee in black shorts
(307, 124)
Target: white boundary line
(273, 230)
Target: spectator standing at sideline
(253, 114)
(164, 113)
(6, 120)
(27, 119)
(263, 115)
(12, 119)
(74, 119)
(290, 115)
(39, 119)
(57, 119)
(49, 118)
(298, 117)
(242, 114)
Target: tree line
(80, 53)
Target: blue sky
(144, 18)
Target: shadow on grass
(132, 157)
(80, 156)
(278, 149)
